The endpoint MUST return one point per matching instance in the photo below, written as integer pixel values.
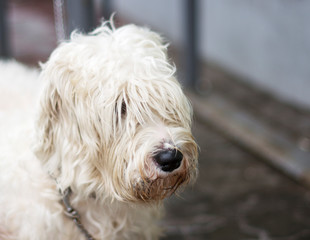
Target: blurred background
(246, 67)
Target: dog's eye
(124, 108)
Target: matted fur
(110, 102)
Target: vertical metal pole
(59, 20)
(191, 59)
(80, 15)
(4, 36)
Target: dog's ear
(56, 77)
(65, 126)
(47, 119)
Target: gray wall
(267, 41)
(162, 15)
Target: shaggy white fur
(110, 105)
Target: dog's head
(113, 119)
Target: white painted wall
(265, 41)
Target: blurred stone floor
(236, 197)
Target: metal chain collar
(73, 214)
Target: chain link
(73, 214)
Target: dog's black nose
(169, 160)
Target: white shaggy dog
(112, 139)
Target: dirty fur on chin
(110, 103)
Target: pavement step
(242, 128)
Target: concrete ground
(236, 197)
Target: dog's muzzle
(169, 160)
